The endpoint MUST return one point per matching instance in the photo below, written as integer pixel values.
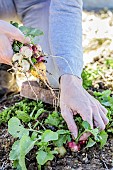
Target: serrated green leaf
(61, 140)
(103, 139)
(23, 116)
(16, 129)
(106, 93)
(26, 144)
(14, 153)
(34, 136)
(86, 125)
(14, 24)
(90, 143)
(39, 112)
(62, 132)
(30, 31)
(15, 48)
(43, 157)
(95, 132)
(34, 60)
(49, 135)
(53, 119)
(16, 165)
(63, 137)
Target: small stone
(37, 92)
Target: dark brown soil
(94, 158)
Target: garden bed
(93, 158)
(98, 76)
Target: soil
(86, 159)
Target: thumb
(19, 36)
(68, 117)
(12, 32)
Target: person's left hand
(9, 33)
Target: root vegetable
(25, 65)
(34, 48)
(82, 142)
(40, 59)
(74, 147)
(17, 57)
(39, 48)
(26, 51)
(40, 72)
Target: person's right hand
(9, 33)
(74, 99)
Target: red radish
(74, 147)
(40, 59)
(82, 142)
(35, 56)
(34, 48)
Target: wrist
(67, 79)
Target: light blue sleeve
(65, 33)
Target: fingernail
(74, 135)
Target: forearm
(66, 35)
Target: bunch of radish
(30, 58)
(76, 147)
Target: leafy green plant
(28, 138)
(89, 76)
(26, 110)
(47, 141)
(87, 79)
(106, 99)
(32, 33)
(29, 121)
(96, 137)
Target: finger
(6, 51)
(97, 102)
(86, 114)
(75, 113)
(84, 136)
(68, 117)
(13, 32)
(18, 35)
(103, 116)
(98, 120)
(103, 109)
(5, 62)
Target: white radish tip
(25, 65)
(26, 51)
(17, 57)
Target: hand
(75, 99)
(8, 33)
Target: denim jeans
(61, 22)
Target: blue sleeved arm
(65, 32)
